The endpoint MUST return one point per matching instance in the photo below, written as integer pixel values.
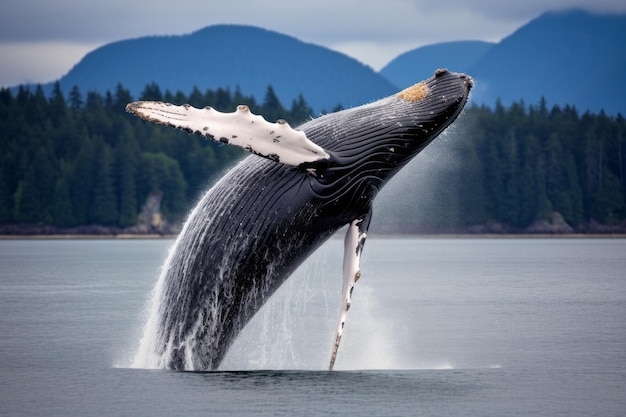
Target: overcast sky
(40, 40)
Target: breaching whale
(254, 227)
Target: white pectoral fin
(276, 141)
(353, 247)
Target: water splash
(293, 329)
(146, 355)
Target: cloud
(422, 29)
(373, 31)
(38, 62)
(322, 20)
(372, 53)
(528, 9)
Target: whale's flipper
(353, 247)
(275, 141)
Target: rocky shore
(151, 223)
(554, 224)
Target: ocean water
(438, 327)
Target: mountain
(419, 63)
(569, 57)
(231, 56)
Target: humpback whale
(260, 221)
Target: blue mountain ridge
(567, 57)
(457, 56)
(230, 56)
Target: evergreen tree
(273, 110)
(152, 92)
(58, 110)
(197, 99)
(161, 174)
(6, 199)
(82, 180)
(122, 98)
(300, 111)
(95, 101)
(223, 100)
(126, 168)
(76, 99)
(104, 206)
(62, 211)
(34, 196)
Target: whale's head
(370, 143)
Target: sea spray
(294, 328)
(147, 355)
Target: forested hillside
(81, 159)
(529, 169)
(524, 164)
(84, 160)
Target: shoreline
(339, 235)
(123, 236)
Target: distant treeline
(521, 164)
(512, 169)
(81, 159)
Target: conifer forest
(81, 160)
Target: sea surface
(438, 327)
